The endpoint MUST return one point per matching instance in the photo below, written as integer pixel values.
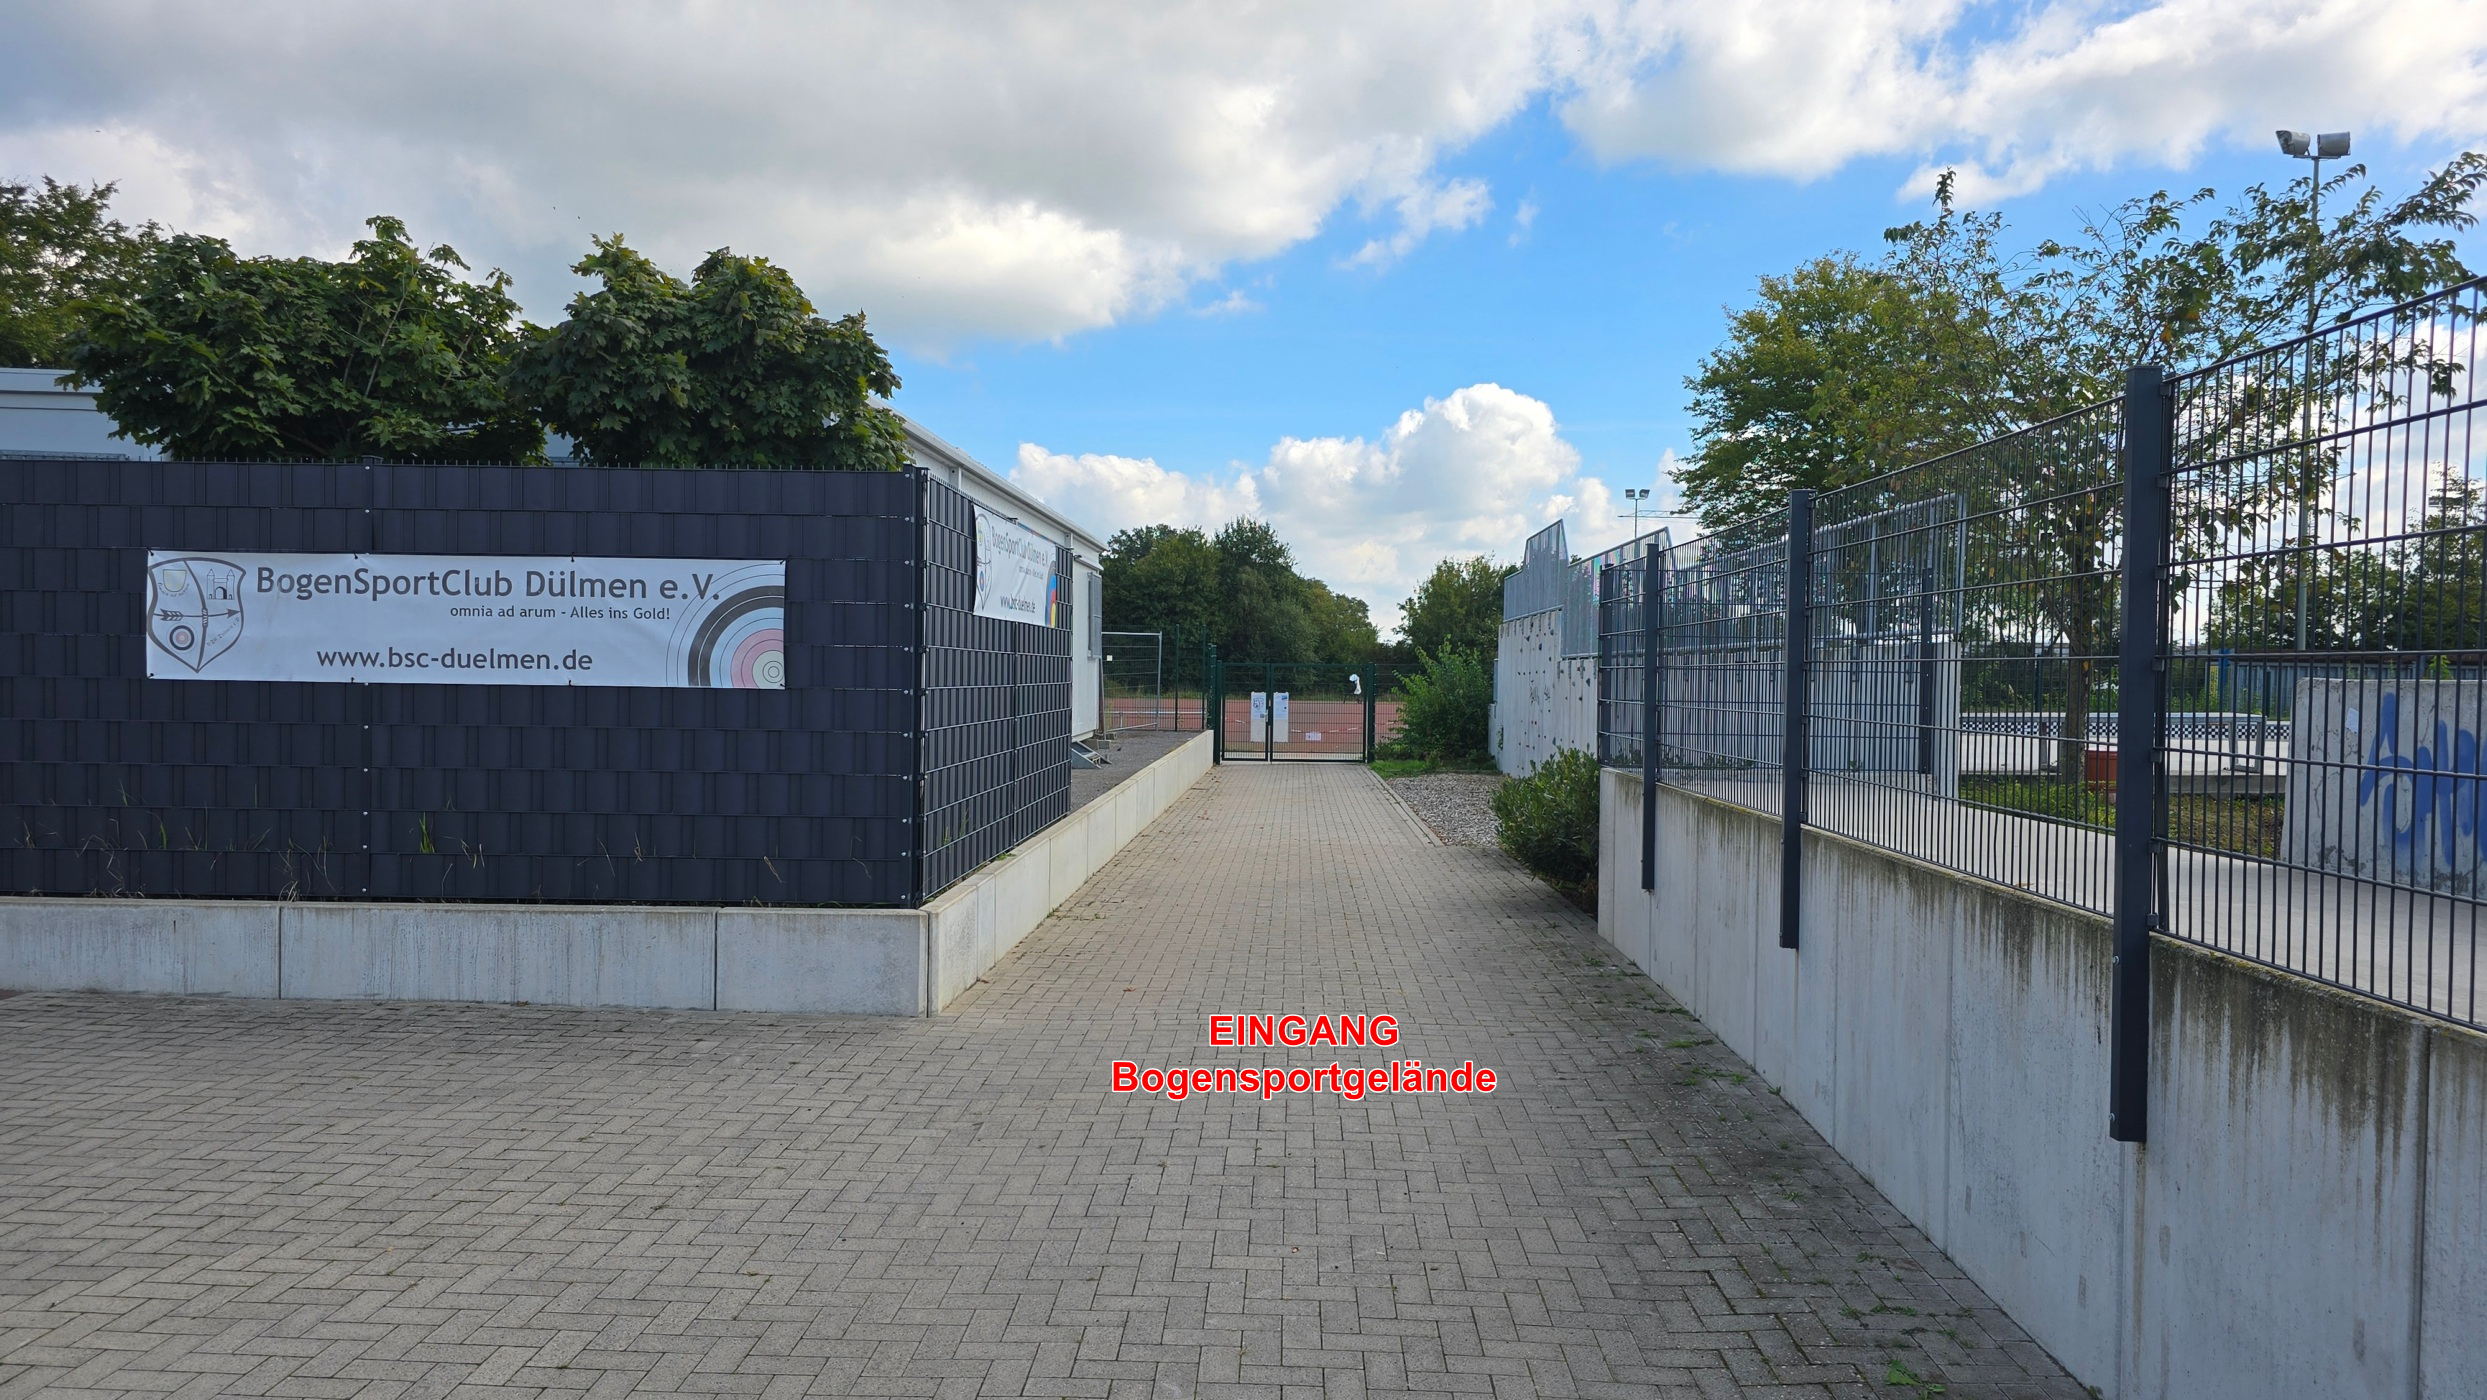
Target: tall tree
(732, 368)
(60, 251)
(1459, 604)
(390, 351)
(1266, 616)
(1847, 371)
(1160, 579)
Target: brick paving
(256, 1198)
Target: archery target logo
(738, 641)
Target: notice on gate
(463, 619)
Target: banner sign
(1014, 572)
(464, 619)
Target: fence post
(1652, 591)
(1213, 701)
(1926, 678)
(2148, 457)
(1795, 754)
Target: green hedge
(1548, 820)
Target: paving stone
(205, 1197)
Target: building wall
(2309, 1216)
(1543, 701)
(40, 418)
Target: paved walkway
(330, 1199)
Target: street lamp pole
(1636, 495)
(2331, 145)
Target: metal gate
(1297, 711)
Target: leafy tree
(1239, 590)
(1266, 614)
(1846, 371)
(1460, 604)
(1343, 630)
(1444, 708)
(1160, 579)
(390, 352)
(733, 368)
(59, 251)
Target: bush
(1445, 708)
(1548, 820)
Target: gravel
(1458, 806)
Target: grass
(2246, 825)
(1417, 767)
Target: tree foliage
(207, 353)
(1847, 370)
(1850, 367)
(60, 251)
(1460, 604)
(731, 369)
(1445, 707)
(1239, 590)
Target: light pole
(1636, 495)
(2331, 145)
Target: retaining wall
(2309, 1216)
(891, 962)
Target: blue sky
(1407, 279)
(1600, 307)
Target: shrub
(1444, 710)
(1548, 820)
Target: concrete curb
(885, 962)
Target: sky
(1409, 280)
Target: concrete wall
(1543, 701)
(2308, 1218)
(888, 962)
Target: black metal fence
(997, 707)
(111, 783)
(2300, 775)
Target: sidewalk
(321, 1199)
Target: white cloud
(957, 168)
(1801, 87)
(1474, 472)
(1029, 171)
(1451, 206)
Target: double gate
(1301, 711)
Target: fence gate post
(1795, 753)
(2148, 434)
(1652, 590)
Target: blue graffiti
(2446, 789)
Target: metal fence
(996, 764)
(2299, 778)
(112, 783)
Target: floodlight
(2332, 145)
(2296, 143)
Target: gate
(1300, 711)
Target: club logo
(194, 609)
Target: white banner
(1014, 572)
(466, 619)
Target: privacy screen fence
(790, 697)
(2282, 760)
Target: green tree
(60, 250)
(1160, 579)
(1460, 604)
(1266, 614)
(1847, 371)
(1343, 630)
(390, 351)
(732, 369)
